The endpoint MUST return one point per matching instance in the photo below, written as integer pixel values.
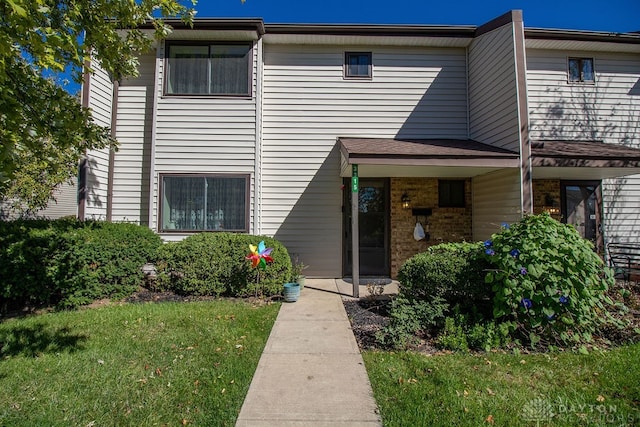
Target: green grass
(565, 389)
(135, 364)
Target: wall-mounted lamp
(550, 205)
(406, 201)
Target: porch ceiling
(423, 157)
(582, 160)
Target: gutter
(112, 152)
(83, 164)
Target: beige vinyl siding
(496, 200)
(65, 204)
(608, 111)
(133, 132)
(493, 94)
(203, 134)
(307, 104)
(100, 100)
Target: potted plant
(297, 267)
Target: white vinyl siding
(493, 94)
(65, 204)
(307, 104)
(133, 132)
(607, 111)
(100, 100)
(496, 200)
(203, 135)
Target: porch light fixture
(406, 201)
(550, 205)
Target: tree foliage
(43, 129)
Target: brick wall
(543, 188)
(445, 224)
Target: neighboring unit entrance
(581, 208)
(373, 221)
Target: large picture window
(208, 69)
(204, 203)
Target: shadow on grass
(36, 340)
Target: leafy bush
(102, 260)
(215, 264)
(549, 283)
(461, 333)
(445, 276)
(67, 262)
(408, 317)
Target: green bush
(102, 260)
(67, 262)
(549, 283)
(408, 318)
(431, 283)
(216, 264)
(463, 333)
(452, 271)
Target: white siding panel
(307, 104)
(607, 111)
(65, 204)
(100, 100)
(496, 200)
(133, 132)
(493, 101)
(204, 135)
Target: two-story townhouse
(270, 129)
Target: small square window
(357, 65)
(581, 70)
(451, 193)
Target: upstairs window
(204, 203)
(208, 69)
(581, 70)
(357, 65)
(451, 193)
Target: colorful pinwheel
(260, 256)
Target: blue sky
(601, 15)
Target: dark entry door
(581, 208)
(373, 221)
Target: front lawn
(498, 389)
(133, 364)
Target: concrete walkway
(311, 372)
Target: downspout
(112, 152)
(526, 189)
(257, 185)
(157, 87)
(83, 165)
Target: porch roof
(454, 154)
(583, 160)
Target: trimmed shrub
(102, 260)
(431, 283)
(452, 271)
(549, 283)
(68, 263)
(215, 264)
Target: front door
(373, 221)
(581, 208)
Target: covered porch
(446, 185)
(463, 190)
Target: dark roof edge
(240, 24)
(502, 20)
(578, 35)
(373, 30)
